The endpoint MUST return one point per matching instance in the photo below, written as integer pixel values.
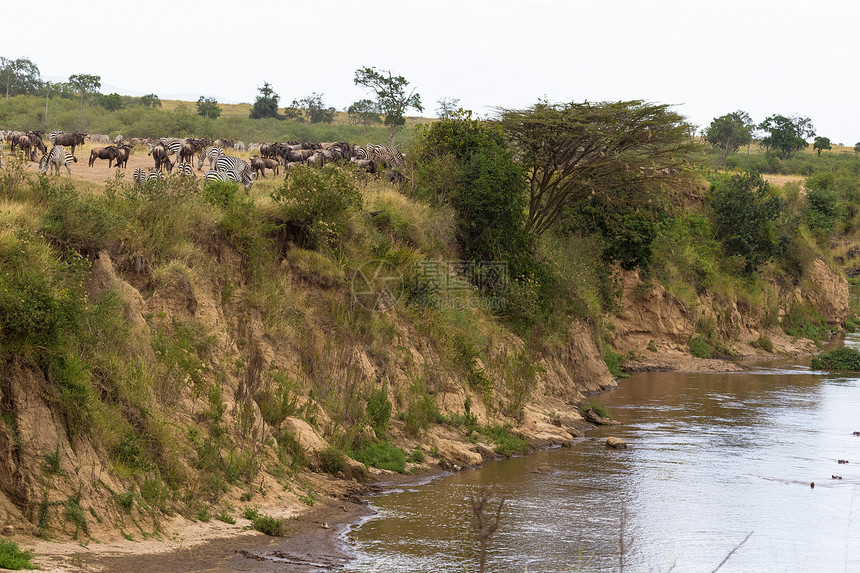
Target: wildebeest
(368, 165)
(71, 140)
(260, 164)
(160, 153)
(109, 153)
(122, 153)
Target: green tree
(266, 104)
(150, 100)
(747, 218)
(315, 109)
(364, 111)
(575, 151)
(786, 135)
(19, 76)
(208, 107)
(729, 132)
(111, 102)
(391, 96)
(822, 144)
(85, 84)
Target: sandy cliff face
(654, 327)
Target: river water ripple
(712, 458)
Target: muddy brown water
(712, 458)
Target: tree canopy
(822, 144)
(19, 76)
(574, 151)
(391, 96)
(208, 107)
(266, 104)
(85, 84)
(729, 132)
(364, 111)
(315, 109)
(786, 135)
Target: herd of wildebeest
(168, 153)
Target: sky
(704, 58)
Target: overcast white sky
(706, 57)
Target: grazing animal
(139, 176)
(55, 159)
(368, 165)
(159, 152)
(246, 178)
(109, 153)
(122, 153)
(260, 164)
(392, 158)
(226, 162)
(211, 154)
(70, 140)
(154, 176)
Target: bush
(316, 202)
(332, 460)
(379, 412)
(506, 442)
(700, 348)
(381, 455)
(11, 556)
(269, 525)
(839, 359)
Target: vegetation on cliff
(182, 347)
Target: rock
(9, 530)
(616, 443)
(596, 418)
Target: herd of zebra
(168, 153)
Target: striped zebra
(154, 176)
(211, 154)
(383, 154)
(185, 169)
(139, 176)
(54, 134)
(247, 179)
(227, 162)
(55, 159)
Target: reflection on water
(713, 457)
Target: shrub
(381, 455)
(269, 525)
(805, 322)
(332, 460)
(379, 411)
(506, 442)
(12, 557)
(700, 348)
(839, 359)
(225, 517)
(595, 407)
(316, 203)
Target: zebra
(56, 158)
(54, 135)
(382, 153)
(139, 176)
(185, 169)
(246, 178)
(225, 162)
(154, 176)
(212, 154)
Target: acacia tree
(364, 111)
(19, 76)
(577, 150)
(208, 107)
(729, 132)
(822, 144)
(85, 84)
(787, 135)
(315, 108)
(266, 104)
(391, 96)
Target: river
(713, 458)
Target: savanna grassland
(175, 353)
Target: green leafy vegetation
(839, 359)
(12, 557)
(381, 455)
